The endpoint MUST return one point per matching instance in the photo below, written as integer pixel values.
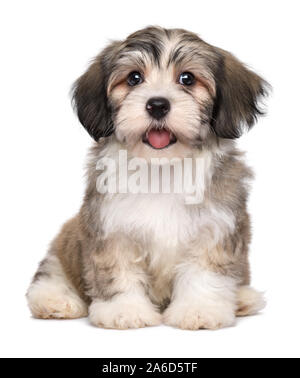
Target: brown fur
(88, 261)
(102, 269)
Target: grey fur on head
(236, 103)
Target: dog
(133, 258)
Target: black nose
(158, 107)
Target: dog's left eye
(186, 78)
(134, 78)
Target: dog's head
(165, 92)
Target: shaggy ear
(239, 91)
(90, 98)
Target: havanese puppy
(163, 232)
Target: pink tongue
(159, 138)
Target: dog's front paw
(121, 315)
(195, 316)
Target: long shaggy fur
(134, 260)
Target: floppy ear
(90, 95)
(239, 91)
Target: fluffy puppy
(135, 258)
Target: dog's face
(165, 92)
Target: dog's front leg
(201, 299)
(117, 285)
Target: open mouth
(159, 138)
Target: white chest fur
(166, 220)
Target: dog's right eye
(134, 78)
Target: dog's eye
(186, 78)
(134, 78)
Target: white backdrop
(45, 46)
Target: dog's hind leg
(249, 301)
(51, 295)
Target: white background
(45, 46)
